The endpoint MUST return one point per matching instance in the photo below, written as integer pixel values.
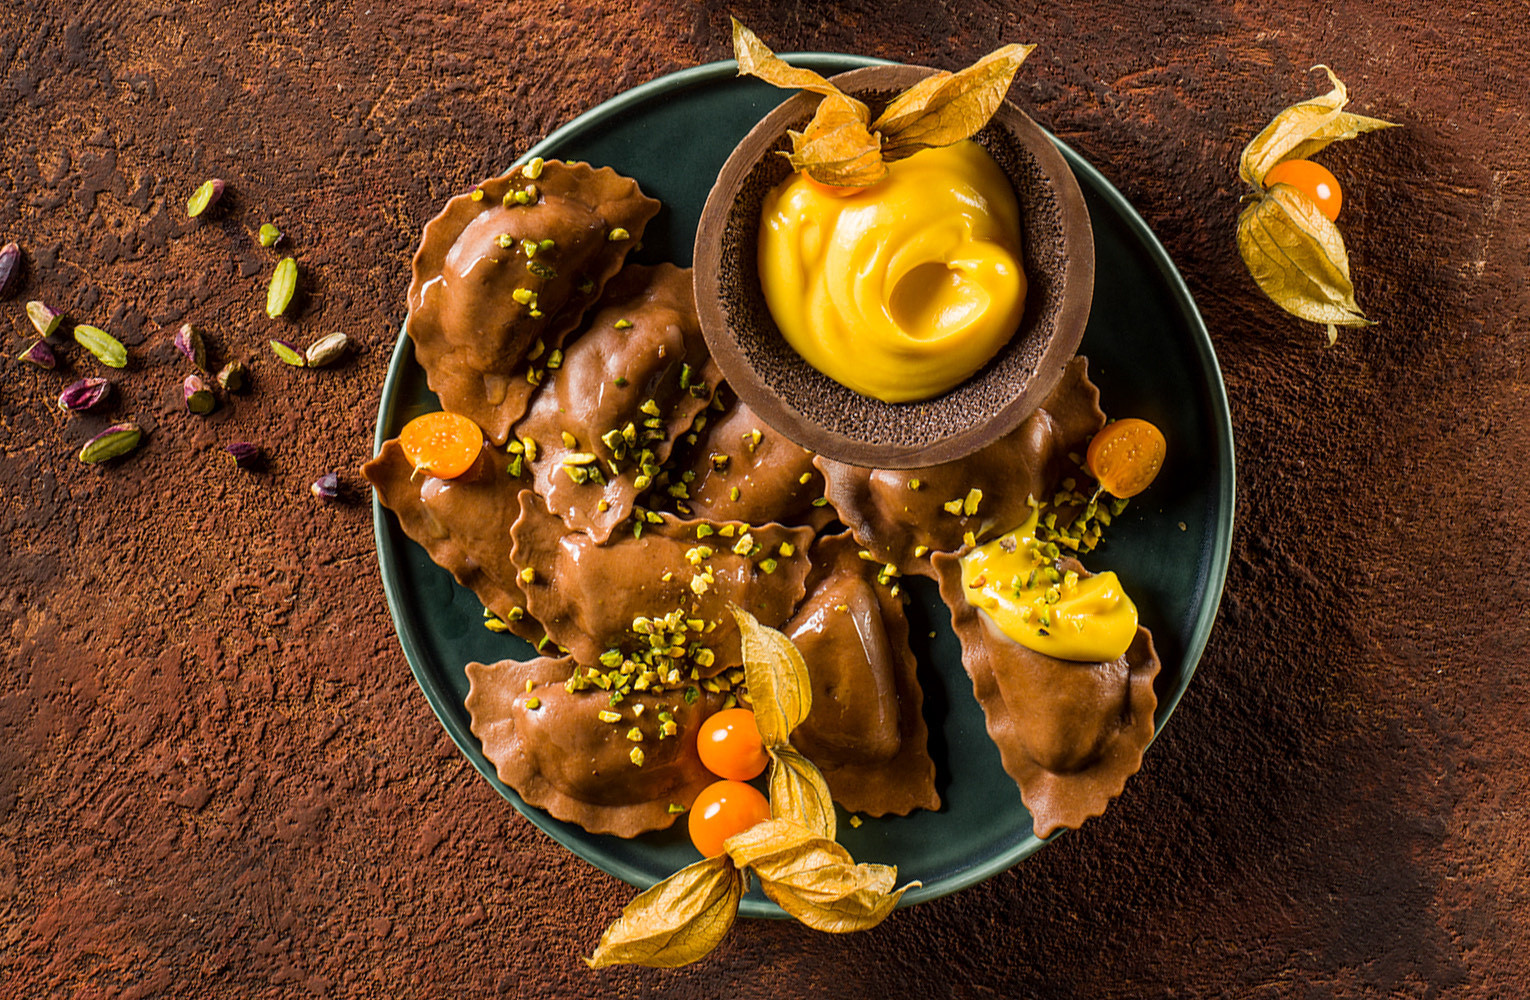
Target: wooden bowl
(835, 421)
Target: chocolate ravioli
(493, 277)
(891, 517)
(774, 477)
(561, 757)
(587, 595)
(865, 731)
(464, 524)
(637, 377)
(1069, 733)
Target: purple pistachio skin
(245, 453)
(10, 263)
(326, 487)
(83, 395)
(39, 354)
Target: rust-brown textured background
(218, 779)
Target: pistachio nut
(205, 197)
(270, 235)
(199, 398)
(283, 287)
(232, 375)
(39, 354)
(114, 442)
(84, 394)
(44, 319)
(10, 264)
(246, 455)
(326, 487)
(188, 340)
(288, 353)
(107, 349)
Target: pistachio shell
(327, 350)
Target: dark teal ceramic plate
(1148, 352)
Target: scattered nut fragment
(188, 340)
(84, 394)
(232, 375)
(246, 455)
(10, 263)
(288, 353)
(283, 287)
(199, 398)
(205, 197)
(270, 235)
(327, 350)
(114, 442)
(107, 349)
(326, 487)
(39, 354)
(44, 319)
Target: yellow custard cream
(1013, 581)
(905, 289)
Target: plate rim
(1220, 541)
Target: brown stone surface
(217, 778)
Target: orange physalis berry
(1125, 456)
(443, 445)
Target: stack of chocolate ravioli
(626, 499)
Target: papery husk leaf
(1297, 257)
(1304, 129)
(948, 107)
(779, 689)
(814, 879)
(799, 794)
(677, 921)
(836, 148)
(756, 59)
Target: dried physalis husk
(815, 879)
(779, 687)
(677, 921)
(843, 147)
(781, 694)
(1293, 251)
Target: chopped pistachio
(528, 575)
(953, 507)
(970, 504)
(636, 756)
(734, 494)
(623, 324)
(805, 478)
(618, 234)
(606, 715)
(914, 484)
